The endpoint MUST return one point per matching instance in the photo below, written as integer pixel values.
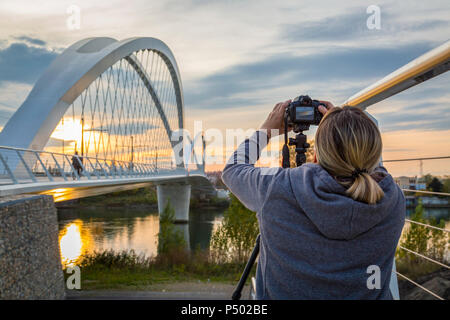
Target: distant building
(412, 183)
(421, 186)
(223, 194)
(427, 202)
(434, 201)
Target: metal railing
(18, 166)
(441, 264)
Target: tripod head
(301, 146)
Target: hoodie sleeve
(247, 183)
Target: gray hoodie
(316, 242)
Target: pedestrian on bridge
(77, 164)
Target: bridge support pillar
(178, 195)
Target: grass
(122, 198)
(128, 270)
(144, 196)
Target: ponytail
(348, 145)
(365, 189)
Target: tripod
(301, 146)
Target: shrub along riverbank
(139, 198)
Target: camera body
(303, 112)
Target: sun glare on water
(72, 243)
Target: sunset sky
(238, 58)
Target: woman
(329, 229)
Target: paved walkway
(175, 291)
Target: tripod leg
(237, 293)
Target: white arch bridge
(106, 115)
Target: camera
(300, 114)
(303, 112)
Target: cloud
(55, 142)
(5, 114)
(22, 63)
(352, 26)
(30, 40)
(421, 116)
(359, 66)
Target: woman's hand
(323, 110)
(275, 120)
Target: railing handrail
(425, 257)
(418, 159)
(418, 285)
(427, 225)
(423, 68)
(69, 154)
(427, 192)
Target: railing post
(11, 175)
(120, 171)
(111, 172)
(141, 171)
(93, 168)
(43, 166)
(59, 168)
(30, 173)
(101, 167)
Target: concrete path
(174, 291)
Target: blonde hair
(348, 145)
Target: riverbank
(126, 270)
(194, 276)
(143, 198)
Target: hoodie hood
(335, 214)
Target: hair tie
(357, 172)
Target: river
(85, 230)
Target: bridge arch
(77, 75)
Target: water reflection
(70, 244)
(74, 240)
(88, 230)
(437, 213)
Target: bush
(427, 241)
(234, 240)
(169, 239)
(111, 259)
